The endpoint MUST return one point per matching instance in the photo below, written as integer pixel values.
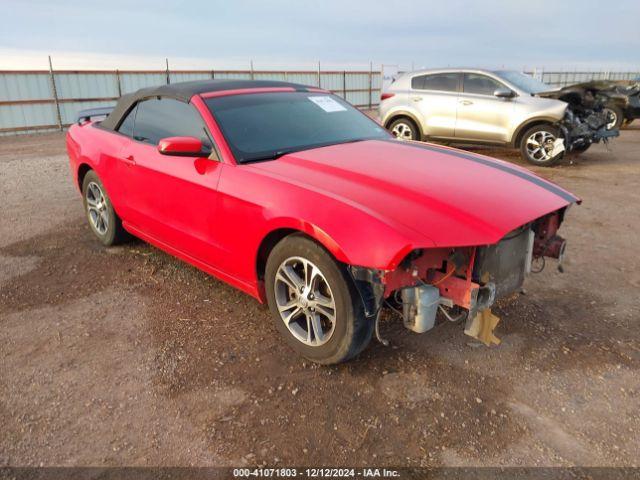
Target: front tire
(313, 302)
(404, 129)
(615, 116)
(103, 220)
(537, 144)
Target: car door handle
(129, 160)
(416, 99)
(466, 102)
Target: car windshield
(526, 83)
(264, 126)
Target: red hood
(453, 197)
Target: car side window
(126, 126)
(480, 84)
(158, 118)
(444, 82)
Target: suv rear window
(444, 82)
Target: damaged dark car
(620, 100)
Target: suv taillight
(384, 96)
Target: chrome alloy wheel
(612, 116)
(402, 131)
(540, 146)
(305, 301)
(97, 208)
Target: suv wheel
(536, 146)
(404, 129)
(313, 302)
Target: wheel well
(406, 117)
(526, 127)
(272, 239)
(267, 244)
(82, 172)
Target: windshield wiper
(271, 156)
(279, 153)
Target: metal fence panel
(83, 85)
(303, 78)
(233, 75)
(27, 115)
(277, 76)
(130, 82)
(563, 79)
(176, 77)
(331, 81)
(19, 86)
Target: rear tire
(404, 129)
(537, 143)
(103, 220)
(299, 305)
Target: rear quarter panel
(98, 149)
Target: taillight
(384, 96)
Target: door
(435, 98)
(170, 198)
(481, 115)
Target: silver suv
(482, 107)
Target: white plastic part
(419, 307)
(558, 147)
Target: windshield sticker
(328, 104)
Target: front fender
(313, 231)
(372, 245)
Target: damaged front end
(462, 283)
(586, 120)
(581, 130)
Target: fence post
(370, 83)
(344, 84)
(251, 69)
(319, 80)
(55, 94)
(167, 71)
(118, 83)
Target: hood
(452, 197)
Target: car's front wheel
(538, 144)
(103, 220)
(615, 116)
(314, 303)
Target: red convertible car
(292, 195)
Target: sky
(550, 34)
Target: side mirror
(182, 147)
(504, 93)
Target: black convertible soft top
(184, 91)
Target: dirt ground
(126, 356)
